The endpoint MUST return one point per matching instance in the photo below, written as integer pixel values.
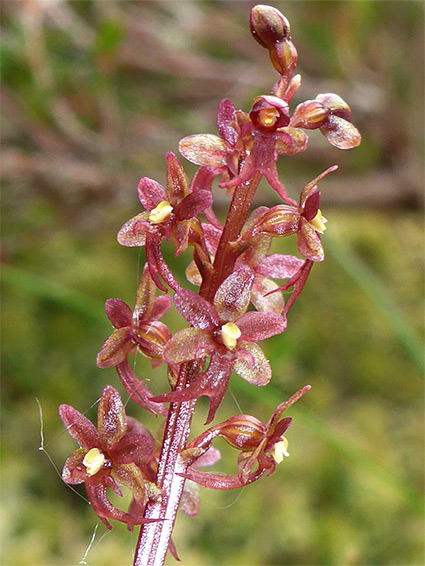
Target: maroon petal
(311, 205)
(196, 310)
(131, 449)
(115, 349)
(177, 187)
(79, 427)
(161, 305)
(279, 266)
(194, 204)
(225, 117)
(256, 326)
(118, 313)
(209, 458)
(111, 421)
(232, 297)
(151, 193)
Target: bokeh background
(93, 95)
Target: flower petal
(256, 326)
(79, 427)
(225, 117)
(232, 297)
(115, 348)
(258, 370)
(118, 313)
(309, 243)
(341, 133)
(196, 310)
(194, 204)
(145, 298)
(205, 149)
(111, 421)
(177, 187)
(133, 233)
(188, 344)
(131, 448)
(151, 193)
(74, 471)
(290, 141)
(262, 300)
(279, 266)
(161, 305)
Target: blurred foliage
(93, 95)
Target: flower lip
(94, 461)
(230, 333)
(318, 222)
(161, 212)
(280, 450)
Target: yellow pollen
(230, 334)
(93, 461)
(160, 212)
(319, 222)
(268, 117)
(279, 450)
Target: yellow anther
(319, 222)
(279, 450)
(268, 117)
(160, 212)
(93, 461)
(230, 334)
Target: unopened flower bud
(284, 57)
(281, 220)
(151, 338)
(311, 114)
(335, 105)
(243, 432)
(268, 26)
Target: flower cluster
(238, 303)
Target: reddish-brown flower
(225, 332)
(139, 328)
(261, 446)
(306, 221)
(112, 454)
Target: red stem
(226, 257)
(154, 537)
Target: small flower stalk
(239, 302)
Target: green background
(93, 95)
